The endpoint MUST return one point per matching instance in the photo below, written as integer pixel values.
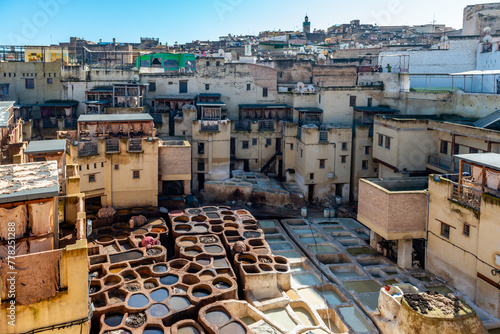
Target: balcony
(135, 145)
(445, 163)
(467, 196)
(211, 126)
(266, 125)
(243, 125)
(113, 145)
(86, 149)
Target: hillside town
(335, 180)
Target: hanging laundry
(92, 129)
(41, 217)
(18, 216)
(68, 112)
(492, 179)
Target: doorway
(246, 165)
(201, 181)
(233, 147)
(310, 193)
(278, 145)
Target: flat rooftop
(116, 118)
(4, 114)
(402, 184)
(46, 146)
(30, 181)
(490, 160)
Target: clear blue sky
(36, 22)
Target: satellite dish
(300, 86)
(487, 39)
(136, 77)
(322, 57)
(302, 49)
(487, 29)
(311, 88)
(221, 53)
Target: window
(244, 144)
(370, 102)
(352, 101)
(208, 63)
(152, 86)
(102, 164)
(183, 87)
(136, 174)
(207, 86)
(473, 150)
(217, 63)
(80, 167)
(344, 146)
(322, 163)
(268, 142)
(445, 230)
(117, 167)
(467, 230)
(39, 159)
(92, 178)
(264, 92)
(14, 74)
(367, 150)
(311, 176)
(301, 151)
(388, 142)
(254, 141)
(49, 75)
(43, 74)
(10, 74)
(319, 98)
(380, 140)
(444, 147)
(343, 159)
(364, 164)
(201, 148)
(88, 167)
(201, 165)
(95, 165)
(249, 86)
(29, 83)
(456, 149)
(49, 80)
(291, 147)
(54, 75)
(280, 74)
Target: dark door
(246, 165)
(233, 146)
(201, 181)
(419, 252)
(280, 168)
(338, 189)
(278, 145)
(310, 195)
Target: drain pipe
(428, 210)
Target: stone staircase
(297, 199)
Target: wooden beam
(14, 204)
(489, 280)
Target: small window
(380, 140)
(249, 86)
(152, 86)
(352, 101)
(367, 150)
(54, 75)
(244, 144)
(364, 164)
(88, 167)
(217, 63)
(80, 167)
(280, 74)
(207, 86)
(102, 164)
(467, 230)
(370, 102)
(473, 150)
(254, 141)
(319, 98)
(445, 230)
(388, 142)
(268, 142)
(183, 87)
(301, 151)
(201, 165)
(208, 63)
(311, 176)
(29, 83)
(49, 81)
(92, 178)
(343, 159)
(39, 159)
(264, 92)
(344, 146)
(201, 148)
(444, 147)
(322, 163)
(456, 149)
(291, 147)
(50, 74)
(10, 74)
(117, 167)
(136, 174)
(43, 74)
(14, 74)
(95, 165)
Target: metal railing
(50, 123)
(323, 136)
(135, 145)
(467, 196)
(89, 148)
(112, 145)
(443, 163)
(70, 123)
(266, 125)
(243, 125)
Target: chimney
(114, 40)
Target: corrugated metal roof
(175, 97)
(264, 106)
(58, 104)
(490, 160)
(46, 146)
(309, 110)
(211, 103)
(488, 120)
(115, 118)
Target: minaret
(306, 25)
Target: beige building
(47, 54)
(463, 232)
(11, 135)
